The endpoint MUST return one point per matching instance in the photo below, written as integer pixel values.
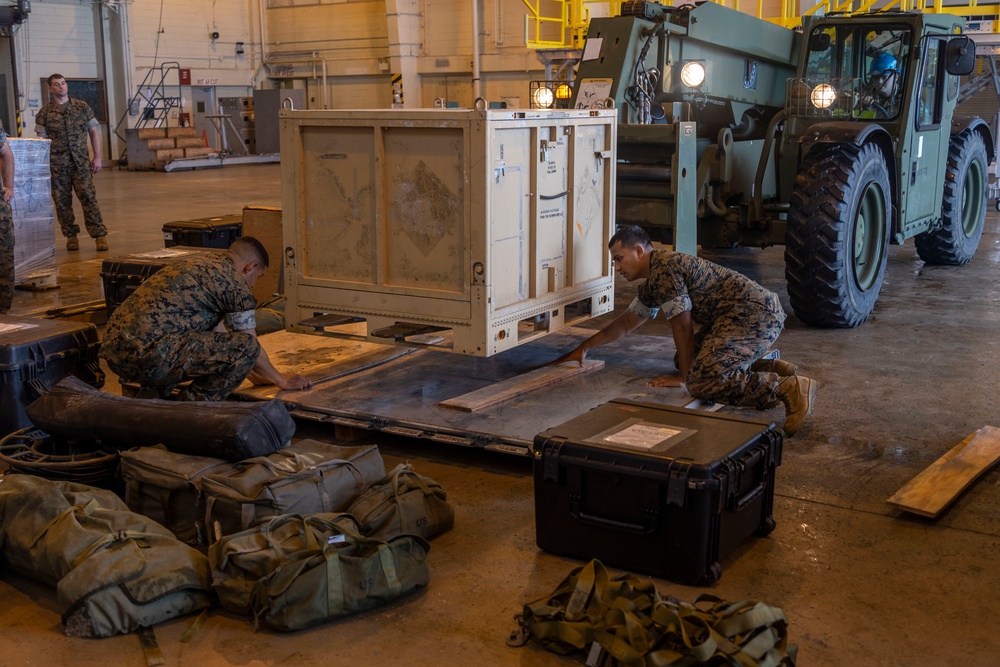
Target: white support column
(403, 18)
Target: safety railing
(562, 24)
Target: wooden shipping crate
(489, 224)
(264, 224)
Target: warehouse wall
(344, 53)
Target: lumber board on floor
(936, 487)
(511, 388)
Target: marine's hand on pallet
(281, 380)
(667, 381)
(578, 355)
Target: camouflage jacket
(190, 295)
(678, 282)
(67, 125)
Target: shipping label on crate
(642, 435)
(17, 326)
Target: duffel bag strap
(88, 509)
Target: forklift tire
(963, 209)
(837, 238)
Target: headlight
(823, 95)
(693, 74)
(543, 97)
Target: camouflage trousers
(67, 179)
(216, 364)
(6, 257)
(725, 350)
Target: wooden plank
(507, 390)
(935, 488)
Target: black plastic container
(218, 232)
(37, 353)
(648, 488)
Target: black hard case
(672, 510)
(122, 275)
(217, 232)
(37, 353)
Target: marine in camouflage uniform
(68, 124)
(194, 320)
(739, 320)
(6, 225)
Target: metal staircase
(984, 76)
(153, 103)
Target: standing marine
(68, 123)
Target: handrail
(155, 93)
(569, 22)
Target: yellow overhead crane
(562, 24)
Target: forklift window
(884, 72)
(829, 49)
(928, 104)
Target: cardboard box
(264, 224)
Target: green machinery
(835, 140)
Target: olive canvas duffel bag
(333, 570)
(403, 502)
(166, 487)
(114, 571)
(307, 477)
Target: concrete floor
(861, 583)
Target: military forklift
(835, 140)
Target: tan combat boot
(102, 243)
(777, 366)
(72, 243)
(799, 395)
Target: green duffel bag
(47, 524)
(131, 580)
(240, 560)
(338, 572)
(307, 477)
(114, 570)
(403, 502)
(166, 487)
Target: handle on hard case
(646, 528)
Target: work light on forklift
(823, 95)
(693, 74)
